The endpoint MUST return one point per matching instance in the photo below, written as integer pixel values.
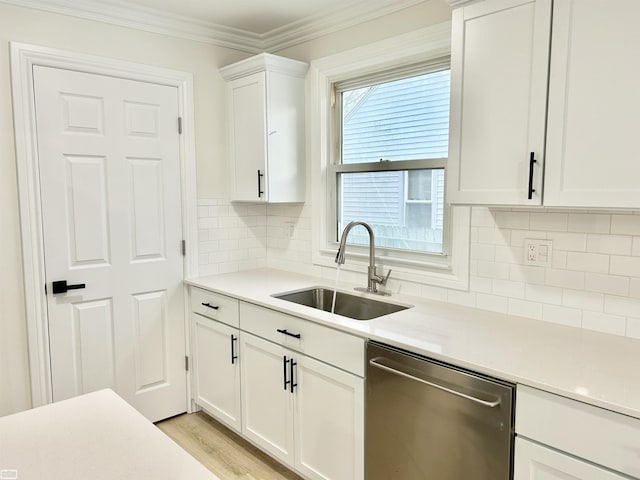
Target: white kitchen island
(92, 437)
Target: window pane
(378, 198)
(405, 119)
(419, 185)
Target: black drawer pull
(234, 357)
(284, 371)
(215, 307)
(532, 160)
(294, 335)
(260, 192)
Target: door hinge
(183, 247)
(186, 363)
(180, 125)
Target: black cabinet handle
(260, 192)
(294, 335)
(61, 286)
(292, 364)
(215, 307)
(234, 357)
(284, 371)
(532, 160)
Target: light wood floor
(222, 451)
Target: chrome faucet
(373, 278)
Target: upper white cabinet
(265, 101)
(594, 102)
(500, 53)
(499, 69)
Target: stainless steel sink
(352, 306)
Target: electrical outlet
(537, 252)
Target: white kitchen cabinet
(594, 102)
(535, 462)
(265, 101)
(572, 440)
(315, 425)
(217, 370)
(499, 69)
(501, 86)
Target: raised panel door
(217, 370)
(499, 72)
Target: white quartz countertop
(593, 367)
(97, 436)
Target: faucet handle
(383, 282)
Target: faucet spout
(373, 278)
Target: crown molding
(264, 62)
(459, 3)
(117, 12)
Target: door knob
(61, 286)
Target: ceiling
(248, 25)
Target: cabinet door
(329, 422)
(267, 403)
(499, 70)
(594, 101)
(216, 373)
(247, 138)
(535, 462)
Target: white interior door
(111, 207)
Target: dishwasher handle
(374, 363)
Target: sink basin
(352, 306)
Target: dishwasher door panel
(425, 420)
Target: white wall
(51, 30)
(203, 60)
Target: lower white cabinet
(304, 412)
(216, 369)
(535, 462)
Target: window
(414, 169)
(391, 143)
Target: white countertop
(596, 368)
(97, 436)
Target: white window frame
(430, 201)
(451, 269)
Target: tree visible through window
(392, 152)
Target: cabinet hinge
(186, 363)
(180, 125)
(183, 247)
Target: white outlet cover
(537, 252)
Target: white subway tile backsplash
(583, 299)
(593, 282)
(564, 278)
(626, 306)
(571, 317)
(525, 308)
(588, 262)
(589, 223)
(508, 288)
(611, 284)
(574, 242)
(629, 266)
(544, 294)
(609, 244)
(625, 224)
(492, 303)
(556, 222)
(602, 322)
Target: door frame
(23, 58)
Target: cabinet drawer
(595, 434)
(331, 346)
(216, 306)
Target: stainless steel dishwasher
(428, 420)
